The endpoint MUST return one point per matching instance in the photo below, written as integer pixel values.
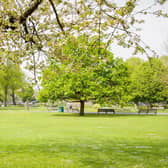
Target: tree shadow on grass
(92, 115)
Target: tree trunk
(82, 106)
(13, 97)
(137, 105)
(5, 96)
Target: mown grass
(57, 140)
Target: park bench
(147, 111)
(105, 110)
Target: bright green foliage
(164, 60)
(26, 92)
(11, 79)
(43, 95)
(84, 72)
(111, 81)
(16, 82)
(148, 84)
(133, 63)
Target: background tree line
(12, 80)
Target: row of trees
(35, 28)
(81, 70)
(12, 80)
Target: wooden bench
(147, 111)
(105, 110)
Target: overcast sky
(154, 32)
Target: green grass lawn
(58, 140)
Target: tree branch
(57, 18)
(29, 10)
(111, 35)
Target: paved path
(117, 113)
(128, 113)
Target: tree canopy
(84, 73)
(11, 79)
(148, 82)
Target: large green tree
(82, 72)
(148, 82)
(11, 77)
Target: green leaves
(11, 76)
(26, 93)
(147, 82)
(87, 72)
(161, 1)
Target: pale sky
(154, 32)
